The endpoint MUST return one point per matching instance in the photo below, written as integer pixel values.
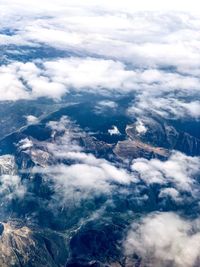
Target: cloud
(105, 105)
(111, 5)
(166, 94)
(151, 53)
(73, 174)
(80, 175)
(113, 49)
(25, 143)
(11, 88)
(170, 192)
(85, 178)
(25, 81)
(179, 170)
(65, 134)
(142, 39)
(53, 79)
(78, 73)
(84, 181)
(169, 107)
(122, 33)
(165, 239)
(11, 187)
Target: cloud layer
(153, 54)
(165, 239)
(179, 170)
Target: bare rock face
(7, 165)
(134, 149)
(161, 134)
(21, 246)
(31, 152)
(151, 138)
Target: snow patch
(114, 130)
(25, 144)
(140, 127)
(31, 119)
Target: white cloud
(112, 5)
(25, 144)
(25, 81)
(169, 107)
(53, 79)
(120, 48)
(85, 178)
(105, 106)
(11, 187)
(170, 192)
(85, 175)
(179, 170)
(11, 88)
(165, 239)
(65, 134)
(131, 47)
(90, 74)
(140, 38)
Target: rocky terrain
(39, 229)
(23, 246)
(153, 138)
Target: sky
(142, 5)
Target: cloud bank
(115, 49)
(165, 239)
